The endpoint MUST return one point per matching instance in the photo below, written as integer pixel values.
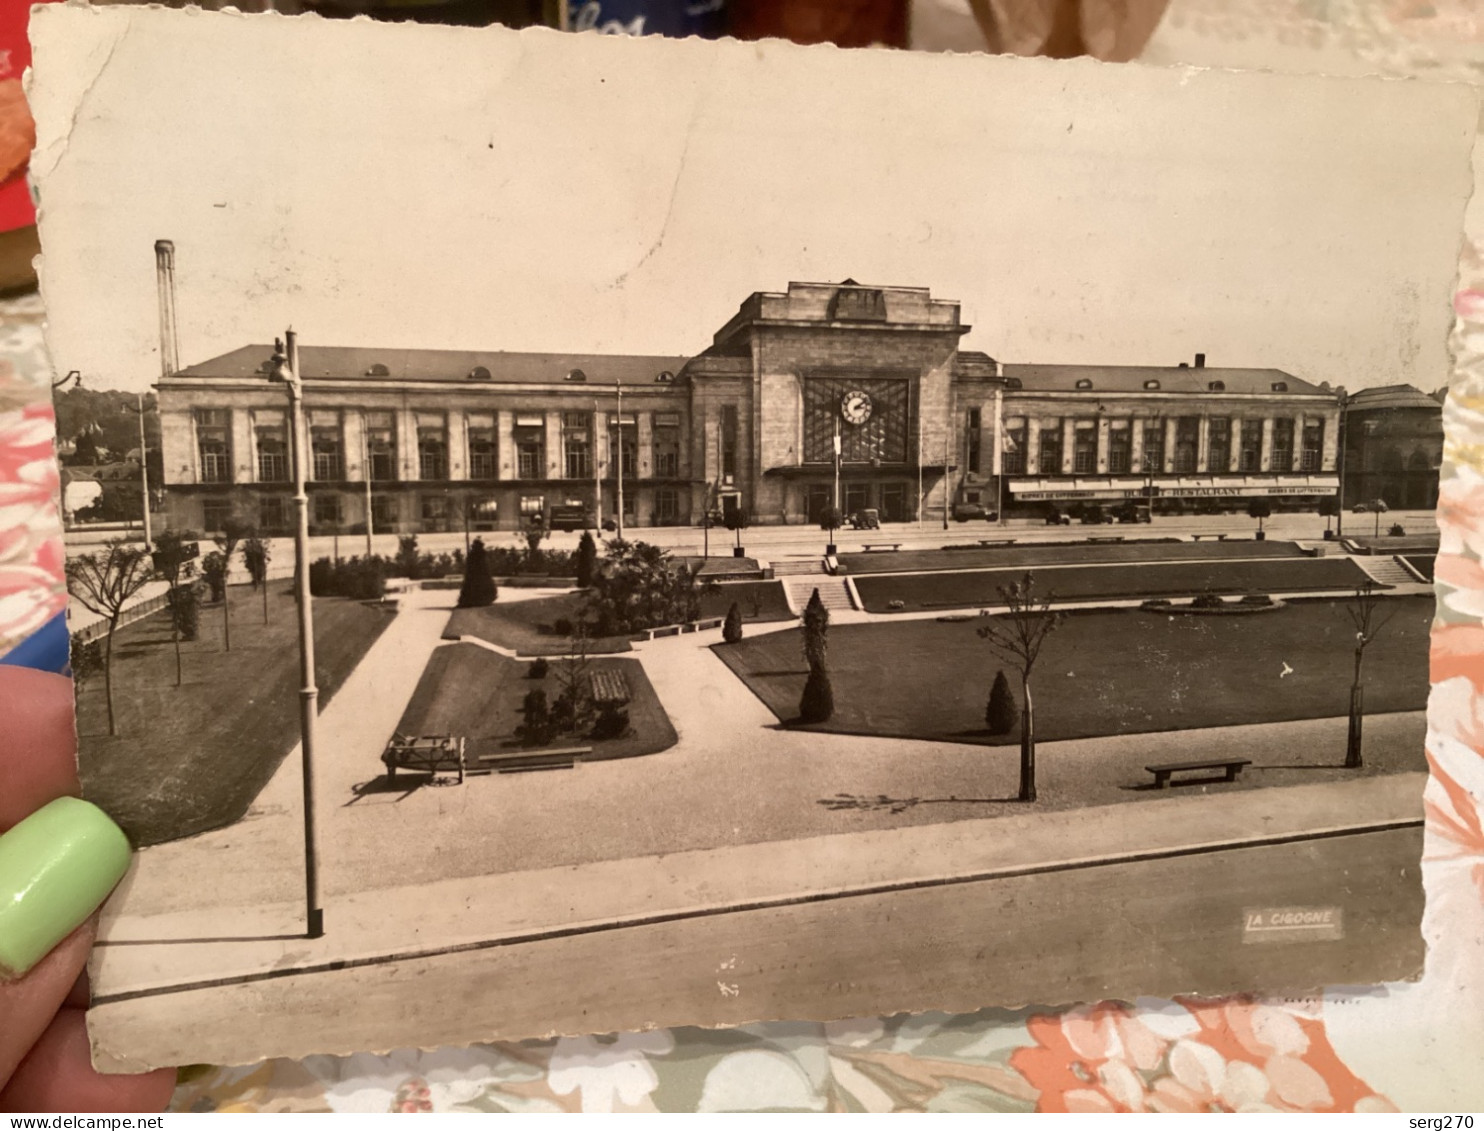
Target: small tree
(999, 713)
(830, 519)
(256, 554)
(1017, 637)
(86, 661)
(478, 590)
(731, 631)
(234, 531)
(817, 703)
(535, 726)
(409, 561)
(587, 559)
(1377, 507)
(534, 534)
(1363, 612)
(104, 582)
(170, 556)
(1259, 509)
(214, 572)
(573, 709)
(1329, 507)
(736, 520)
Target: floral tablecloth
(1414, 1047)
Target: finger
(38, 759)
(28, 1004)
(57, 1075)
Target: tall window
(1012, 460)
(381, 446)
(577, 444)
(432, 445)
(728, 442)
(215, 513)
(532, 506)
(327, 509)
(481, 445)
(530, 445)
(1051, 449)
(324, 446)
(973, 438)
(384, 511)
(214, 444)
(1250, 455)
(1154, 447)
(435, 513)
(273, 449)
(1313, 452)
(1218, 444)
(1283, 444)
(666, 506)
(273, 514)
(1120, 443)
(1085, 447)
(623, 438)
(1187, 443)
(666, 445)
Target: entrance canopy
(1171, 487)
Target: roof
(1392, 397)
(1172, 379)
(348, 363)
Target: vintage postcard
(605, 533)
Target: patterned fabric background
(1414, 1047)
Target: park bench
(1198, 537)
(609, 687)
(997, 541)
(1105, 539)
(428, 753)
(872, 547)
(1231, 766)
(522, 761)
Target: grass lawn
(470, 691)
(192, 758)
(518, 625)
(1086, 583)
(1053, 553)
(1102, 672)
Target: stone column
(1265, 460)
(243, 447)
(1203, 445)
(406, 423)
(1103, 429)
(1329, 450)
(1136, 445)
(1068, 444)
(644, 438)
(457, 433)
(1235, 455)
(1172, 425)
(505, 445)
(353, 446)
(555, 462)
(1033, 445)
(603, 457)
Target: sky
(410, 186)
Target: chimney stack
(165, 279)
(1200, 361)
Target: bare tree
(234, 530)
(172, 550)
(256, 554)
(104, 583)
(1363, 611)
(1017, 637)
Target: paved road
(1158, 926)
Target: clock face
(855, 406)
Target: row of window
(1220, 438)
(528, 440)
(435, 512)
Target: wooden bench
(1162, 772)
(871, 547)
(997, 541)
(523, 761)
(1104, 540)
(428, 753)
(1198, 537)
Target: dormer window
(576, 375)
(1216, 386)
(1012, 382)
(480, 373)
(378, 370)
(666, 378)
(1084, 382)
(1280, 386)
(1152, 383)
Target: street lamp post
(286, 370)
(1340, 441)
(143, 471)
(618, 518)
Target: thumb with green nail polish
(56, 868)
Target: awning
(1171, 487)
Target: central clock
(855, 406)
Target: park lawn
(472, 692)
(1089, 583)
(193, 758)
(1007, 555)
(518, 625)
(1102, 672)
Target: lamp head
(279, 370)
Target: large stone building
(1393, 447)
(433, 440)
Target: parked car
(1133, 512)
(865, 520)
(965, 512)
(1094, 516)
(1055, 517)
(569, 516)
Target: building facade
(874, 378)
(1393, 447)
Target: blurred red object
(845, 23)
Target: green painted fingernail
(56, 868)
